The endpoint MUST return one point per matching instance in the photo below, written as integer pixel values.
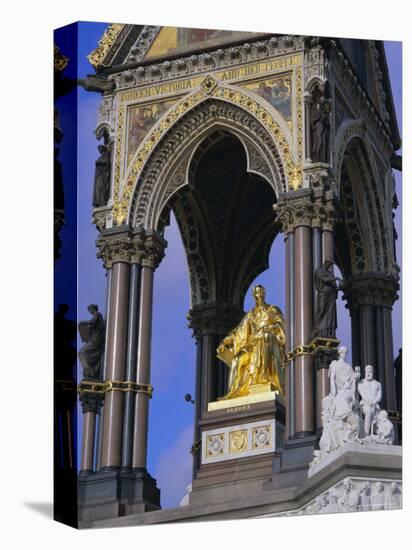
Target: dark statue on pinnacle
(327, 291)
(320, 127)
(101, 190)
(92, 333)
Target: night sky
(173, 350)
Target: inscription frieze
(235, 74)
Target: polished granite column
(112, 420)
(304, 382)
(98, 439)
(139, 492)
(290, 310)
(295, 212)
(99, 492)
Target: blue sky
(173, 350)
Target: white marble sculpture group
(351, 412)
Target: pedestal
(138, 492)
(238, 443)
(114, 493)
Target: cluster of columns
(130, 259)
(370, 297)
(307, 222)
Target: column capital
(308, 208)
(375, 289)
(153, 250)
(213, 318)
(91, 402)
(138, 246)
(113, 246)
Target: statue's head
(343, 350)
(328, 263)
(383, 415)
(369, 372)
(259, 293)
(101, 148)
(92, 308)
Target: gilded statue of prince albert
(255, 351)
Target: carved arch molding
(168, 168)
(362, 195)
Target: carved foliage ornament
(97, 56)
(147, 250)
(306, 211)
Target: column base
(291, 463)
(138, 492)
(112, 493)
(97, 496)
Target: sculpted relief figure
(255, 351)
(350, 498)
(101, 190)
(92, 333)
(370, 391)
(327, 291)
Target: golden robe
(255, 351)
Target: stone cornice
(131, 75)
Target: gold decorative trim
(238, 441)
(60, 61)
(119, 208)
(298, 179)
(91, 386)
(317, 343)
(97, 56)
(324, 343)
(121, 205)
(230, 94)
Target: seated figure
(255, 350)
